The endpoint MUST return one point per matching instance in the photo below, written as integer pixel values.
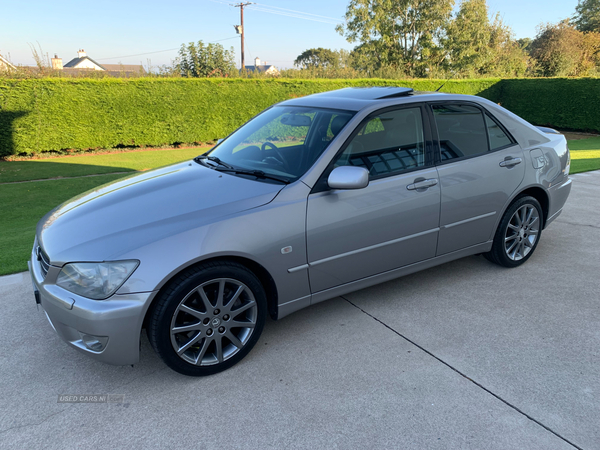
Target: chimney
(256, 61)
(57, 63)
(81, 53)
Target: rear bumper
(558, 197)
(107, 330)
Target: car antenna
(438, 89)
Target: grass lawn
(585, 154)
(79, 165)
(22, 205)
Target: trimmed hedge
(55, 114)
(570, 103)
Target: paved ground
(463, 356)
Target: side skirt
(295, 305)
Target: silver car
(313, 198)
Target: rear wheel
(208, 319)
(518, 234)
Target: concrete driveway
(466, 355)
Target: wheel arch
(540, 195)
(263, 275)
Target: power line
(139, 54)
(286, 12)
(296, 16)
(299, 12)
(159, 51)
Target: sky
(150, 32)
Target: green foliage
(317, 57)
(38, 115)
(561, 50)
(397, 33)
(587, 15)
(469, 35)
(479, 48)
(569, 103)
(93, 164)
(200, 60)
(23, 204)
(53, 114)
(424, 39)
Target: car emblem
(216, 322)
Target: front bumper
(115, 322)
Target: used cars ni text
(313, 198)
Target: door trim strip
(450, 225)
(372, 247)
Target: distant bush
(57, 114)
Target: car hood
(115, 218)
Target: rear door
(480, 165)
(352, 234)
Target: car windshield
(282, 143)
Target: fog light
(94, 343)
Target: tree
(469, 37)
(396, 33)
(314, 58)
(200, 60)
(587, 15)
(561, 50)
(477, 47)
(507, 57)
(525, 44)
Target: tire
(518, 234)
(208, 318)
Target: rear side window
(498, 138)
(461, 131)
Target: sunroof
(370, 93)
(398, 92)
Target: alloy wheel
(213, 322)
(522, 232)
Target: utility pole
(240, 28)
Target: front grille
(44, 260)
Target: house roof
(124, 67)
(260, 67)
(76, 61)
(5, 63)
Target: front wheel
(518, 234)
(208, 319)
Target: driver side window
(388, 143)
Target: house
(85, 63)
(5, 64)
(262, 68)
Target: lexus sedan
(311, 199)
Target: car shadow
(34, 170)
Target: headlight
(97, 281)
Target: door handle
(422, 183)
(510, 162)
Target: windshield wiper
(213, 159)
(255, 173)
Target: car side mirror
(348, 177)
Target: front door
(353, 234)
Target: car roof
(357, 98)
(371, 98)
